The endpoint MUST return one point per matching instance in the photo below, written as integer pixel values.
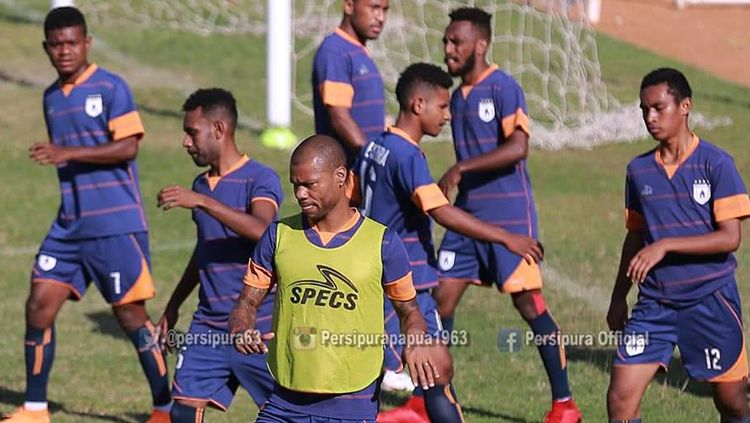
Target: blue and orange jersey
(397, 190)
(397, 284)
(97, 200)
(484, 116)
(344, 75)
(221, 254)
(685, 199)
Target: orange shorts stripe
(525, 278)
(142, 289)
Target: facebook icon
(509, 340)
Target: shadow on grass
(390, 399)
(106, 324)
(15, 399)
(675, 377)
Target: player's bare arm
(510, 152)
(418, 353)
(247, 340)
(114, 152)
(617, 315)
(346, 128)
(247, 225)
(457, 220)
(725, 239)
(185, 286)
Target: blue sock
(153, 364)
(39, 352)
(447, 323)
(441, 404)
(181, 413)
(553, 356)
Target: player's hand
(644, 261)
(45, 153)
(251, 341)
(450, 180)
(177, 196)
(166, 323)
(617, 315)
(421, 365)
(530, 249)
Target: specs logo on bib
(326, 292)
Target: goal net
(547, 45)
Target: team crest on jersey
(486, 110)
(446, 260)
(46, 262)
(701, 191)
(94, 105)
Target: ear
(87, 42)
(482, 47)
(218, 128)
(341, 174)
(348, 7)
(685, 105)
(417, 105)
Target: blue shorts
(709, 335)
(119, 265)
(428, 307)
(212, 372)
(466, 259)
(273, 413)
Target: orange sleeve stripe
(401, 289)
(126, 126)
(734, 207)
(337, 94)
(257, 276)
(634, 221)
(429, 197)
(519, 119)
(266, 199)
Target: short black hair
(677, 84)
(420, 74)
(213, 100)
(476, 16)
(64, 17)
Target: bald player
(323, 294)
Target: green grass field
(96, 376)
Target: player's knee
(444, 366)
(40, 313)
(734, 408)
(617, 401)
(530, 304)
(131, 316)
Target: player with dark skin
(319, 178)
(666, 119)
(363, 20)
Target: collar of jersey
(671, 169)
(327, 237)
(67, 88)
(401, 133)
(341, 33)
(214, 180)
(466, 89)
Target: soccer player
(232, 204)
(326, 349)
(348, 91)
(100, 232)
(490, 133)
(684, 204)
(398, 191)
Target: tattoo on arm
(410, 316)
(243, 315)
